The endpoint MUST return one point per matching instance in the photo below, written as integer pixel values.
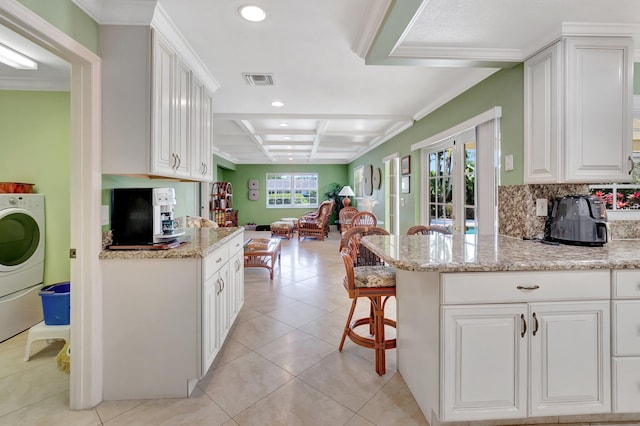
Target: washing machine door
(19, 238)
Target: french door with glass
(451, 182)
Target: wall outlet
(542, 206)
(508, 162)
(104, 215)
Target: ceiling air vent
(258, 79)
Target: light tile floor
(279, 366)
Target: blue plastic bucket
(56, 303)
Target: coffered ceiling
(353, 73)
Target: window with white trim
(292, 190)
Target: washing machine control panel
(28, 201)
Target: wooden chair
(362, 255)
(364, 219)
(424, 230)
(346, 216)
(316, 224)
(378, 284)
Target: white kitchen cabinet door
(236, 296)
(210, 340)
(162, 151)
(181, 145)
(543, 124)
(206, 151)
(222, 303)
(196, 134)
(569, 358)
(599, 107)
(484, 361)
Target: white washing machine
(21, 261)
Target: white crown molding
(35, 84)
(170, 31)
(118, 12)
(374, 16)
(416, 50)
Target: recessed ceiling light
(286, 138)
(283, 124)
(277, 104)
(252, 13)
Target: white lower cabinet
(224, 281)
(531, 359)
(166, 319)
(625, 364)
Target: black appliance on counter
(579, 220)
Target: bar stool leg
(380, 344)
(348, 324)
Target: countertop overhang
(202, 242)
(479, 253)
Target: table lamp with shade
(346, 192)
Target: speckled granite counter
(203, 241)
(459, 253)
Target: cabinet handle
(537, 325)
(179, 161)
(206, 168)
(524, 323)
(222, 281)
(219, 260)
(528, 287)
(631, 164)
(175, 160)
(219, 286)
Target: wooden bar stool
(376, 282)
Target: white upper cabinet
(201, 132)
(578, 111)
(152, 116)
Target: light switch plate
(508, 162)
(541, 207)
(104, 215)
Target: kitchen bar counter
(202, 242)
(471, 253)
(495, 328)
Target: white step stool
(42, 331)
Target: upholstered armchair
(316, 224)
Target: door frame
(393, 181)
(85, 189)
(488, 177)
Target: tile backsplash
(517, 210)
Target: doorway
(459, 175)
(85, 190)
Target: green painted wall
(35, 140)
(69, 18)
(256, 211)
(186, 192)
(504, 89)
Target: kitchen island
(500, 328)
(166, 313)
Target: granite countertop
(202, 242)
(471, 253)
